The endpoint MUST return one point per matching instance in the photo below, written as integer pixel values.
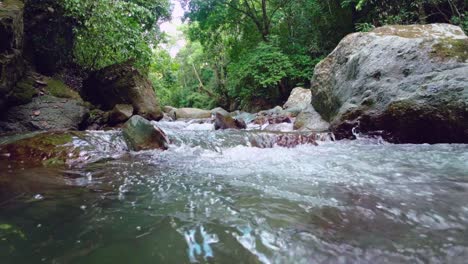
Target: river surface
(213, 197)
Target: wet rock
(247, 117)
(309, 119)
(278, 110)
(409, 83)
(53, 114)
(273, 116)
(70, 148)
(120, 113)
(140, 134)
(299, 100)
(166, 118)
(122, 84)
(227, 122)
(97, 119)
(192, 113)
(172, 114)
(219, 110)
(287, 140)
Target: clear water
(213, 198)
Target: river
(213, 197)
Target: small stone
(37, 113)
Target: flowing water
(214, 197)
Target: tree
(112, 31)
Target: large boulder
(11, 44)
(122, 84)
(44, 113)
(300, 99)
(140, 134)
(410, 82)
(192, 113)
(308, 119)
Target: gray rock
(141, 134)
(172, 114)
(122, 84)
(410, 82)
(120, 113)
(299, 100)
(167, 109)
(45, 113)
(219, 110)
(247, 117)
(192, 113)
(310, 120)
(278, 110)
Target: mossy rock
(59, 89)
(48, 149)
(449, 48)
(23, 93)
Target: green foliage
(462, 21)
(260, 72)
(240, 51)
(364, 27)
(113, 31)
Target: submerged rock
(122, 84)
(56, 148)
(45, 113)
(410, 82)
(192, 113)
(140, 134)
(227, 122)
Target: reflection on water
(211, 199)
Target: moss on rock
(449, 48)
(48, 149)
(59, 89)
(22, 93)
